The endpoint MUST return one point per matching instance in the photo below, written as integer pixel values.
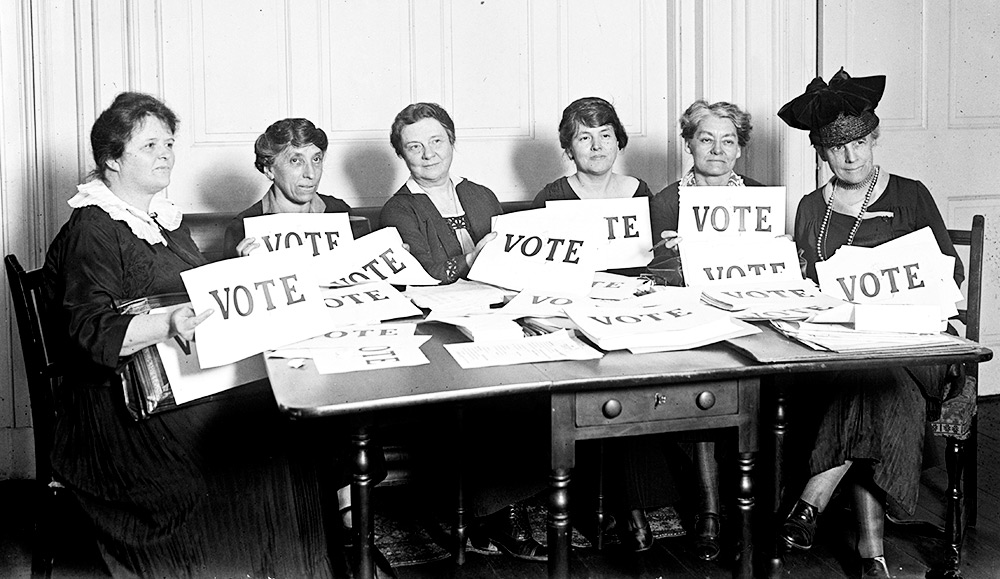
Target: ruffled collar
(689, 181)
(146, 226)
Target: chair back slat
(975, 239)
(42, 370)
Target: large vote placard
(309, 233)
(259, 303)
(908, 270)
(378, 256)
(727, 261)
(713, 211)
(622, 223)
(532, 250)
(366, 303)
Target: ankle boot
(800, 526)
(706, 536)
(875, 567)
(634, 531)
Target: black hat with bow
(838, 112)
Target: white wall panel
(974, 65)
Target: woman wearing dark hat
(871, 423)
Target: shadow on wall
(642, 164)
(230, 191)
(535, 164)
(371, 169)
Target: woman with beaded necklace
(871, 423)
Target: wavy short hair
(589, 112)
(417, 112)
(700, 109)
(116, 125)
(283, 134)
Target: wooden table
(618, 395)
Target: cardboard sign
(713, 211)
(622, 223)
(908, 270)
(728, 261)
(378, 256)
(370, 302)
(260, 304)
(534, 251)
(311, 233)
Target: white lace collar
(162, 211)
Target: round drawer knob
(705, 400)
(612, 408)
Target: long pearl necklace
(821, 238)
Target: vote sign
(727, 261)
(623, 224)
(310, 233)
(260, 304)
(378, 256)
(713, 211)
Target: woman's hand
(183, 321)
(669, 240)
(248, 244)
(802, 253)
(470, 257)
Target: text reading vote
(535, 300)
(770, 293)
(532, 245)
(385, 262)
(722, 217)
(241, 297)
(363, 333)
(626, 223)
(638, 318)
(378, 354)
(727, 272)
(871, 284)
(274, 241)
(355, 298)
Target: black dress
(211, 489)
(877, 415)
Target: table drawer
(666, 402)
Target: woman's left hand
(470, 257)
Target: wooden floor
(909, 555)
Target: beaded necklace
(821, 238)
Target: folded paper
(622, 225)
(378, 256)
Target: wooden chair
(44, 373)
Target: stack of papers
(845, 339)
(795, 300)
(656, 329)
(560, 345)
(487, 327)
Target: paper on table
(728, 261)
(917, 319)
(371, 302)
(370, 357)
(296, 351)
(611, 286)
(542, 304)
(373, 257)
(260, 303)
(463, 292)
(302, 233)
(361, 333)
(534, 251)
(493, 327)
(709, 335)
(622, 225)
(559, 345)
(710, 212)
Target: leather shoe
(875, 567)
(508, 531)
(635, 533)
(706, 536)
(800, 526)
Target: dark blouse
(560, 190)
(236, 232)
(431, 238)
(912, 208)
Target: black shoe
(634, 531)
(382, 566)
(706, 536)
(508, 531)
(875, 567)
(800, 526)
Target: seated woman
(869, 422)
(591, 135)
(714, 135)
(208, 489)
(290, 153)
(445, 221)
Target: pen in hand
(665, 240)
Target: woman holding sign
(290, 154)
(872, 422)
(208, 489)
(444, 220)
(591, 135)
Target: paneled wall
(940, 114)
(504, 69)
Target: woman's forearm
(146, 330)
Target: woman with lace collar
(168, 496)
